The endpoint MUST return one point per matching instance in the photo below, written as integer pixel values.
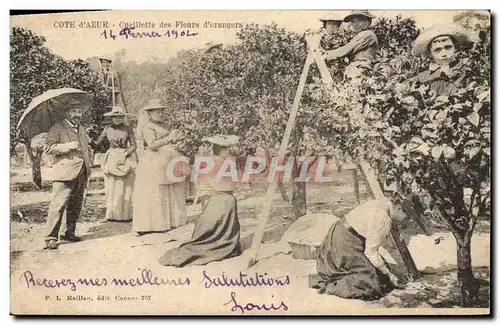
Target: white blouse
(372, 220)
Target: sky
(73, 43)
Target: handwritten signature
(253, 306)
(127, 32)
(146, 278)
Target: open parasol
(48, 109)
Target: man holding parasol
(59, 111)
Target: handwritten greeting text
(146, 278)
(244, 280)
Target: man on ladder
(360, 50)
(330, 30)
(111, 80)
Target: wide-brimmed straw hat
(116, 111)
(458, 33)
(211, 46)
(154, 104)
(358, 13)
(331, 17)
(105, 58)
(223, 140)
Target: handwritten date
(129, 33)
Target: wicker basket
(304, 252)
(307, 233)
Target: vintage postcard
(250, 163)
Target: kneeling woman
(348, 263)
(216, 235)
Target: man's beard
(75, 120)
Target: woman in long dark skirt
(348, 263)
(216, 235)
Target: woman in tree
(348, 263)
(360, 50)
(446, 73)
(158, 204)
(216, 235)
(118, 166)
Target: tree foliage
(244, 88)
(34, 69)
(475, 21)
(248, 88)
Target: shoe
(51, 244)
(71, 238)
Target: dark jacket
(67, 163)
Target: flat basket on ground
(304, 252)
(307, 233)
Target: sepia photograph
(250, 162)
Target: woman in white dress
(158, 206)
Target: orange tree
(244, 89)
(34, 69)
(429, 145)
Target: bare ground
(29, 210)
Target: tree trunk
(463, 236)
(281, 186)
(191, 189)
(299, 198)
(36, 159)
(299, 201)
(466, 280)
(26, 156)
